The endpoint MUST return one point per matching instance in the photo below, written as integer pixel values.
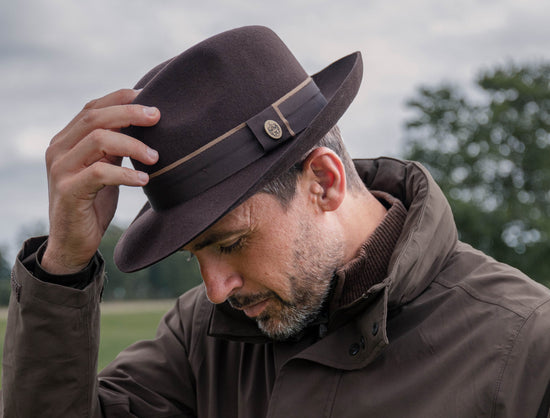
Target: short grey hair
(284, 186)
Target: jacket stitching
(508, 359)
(466, 289)
(16, 287)
(273, 403)
(331, 396)
(419, 219)
(199, 329)
(89, 361)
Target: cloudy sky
(55, 55)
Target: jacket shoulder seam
(466, 289)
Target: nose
(220, 278)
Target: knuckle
(125, 95)
(56, 170)
(52, 167)
(127, 176)
(53, 155)
(50, 155)
(97, 138)
(130, 175)
(91, 104)
(96, 170)
(132, 114)
(56, 138)
(64, 187)
(89, 117)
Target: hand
(84, 171)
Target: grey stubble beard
(310, 284)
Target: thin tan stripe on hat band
(220, 138)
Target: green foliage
(166, 279)
(5, 280)
(491, 158)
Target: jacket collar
(232, 324)
(429, 233)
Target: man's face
(275, 264)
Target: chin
(281, 330)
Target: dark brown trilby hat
(236, 111)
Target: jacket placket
(350, 347)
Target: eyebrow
(214, 237)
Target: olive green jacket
(448, 333)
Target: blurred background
(462, 86)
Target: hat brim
(154, 235)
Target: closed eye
(232, 247)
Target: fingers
(101, 174)
(93, 136)
(111, 117)
(119, 97)
(94, 164)
(106, 144)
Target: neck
(359, 205)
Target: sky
(56, 55)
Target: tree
(5, 279)
(166, 279)
(491, 158)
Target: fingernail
(143, 177)
(150, 111)
(153, 154)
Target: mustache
(241, 301)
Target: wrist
(58, 263)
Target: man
(329, 290)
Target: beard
(309, 276)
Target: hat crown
(211, 88)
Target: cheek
(267, 267)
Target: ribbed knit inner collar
(370, 266)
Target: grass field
(122, 323)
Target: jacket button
(375, 328)
(354, 349)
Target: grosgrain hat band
(227, 154)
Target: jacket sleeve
(51, 348)
(526, 375)
(51, 344)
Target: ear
(325, 178)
